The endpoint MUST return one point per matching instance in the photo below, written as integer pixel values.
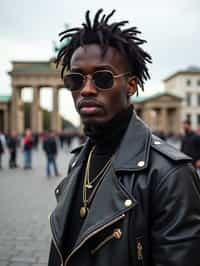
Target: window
(198, 99)
(188, 82)
(198, 82)
(188, 99)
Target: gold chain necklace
(87, 184)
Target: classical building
(35, 75)
(161, 111)
(186, 84)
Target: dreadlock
(100, 32)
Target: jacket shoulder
(168, 150)
(77, 149)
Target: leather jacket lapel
(107, 206)
(61, 213)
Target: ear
(132, 86)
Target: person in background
(35, 138)
(51, 151)
(190, 144)
(12, 144)
(129, 198)
(1, 152)
(27, 147)
(3, 138)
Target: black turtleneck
(106, 139)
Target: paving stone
(43, 259)
(27, 198)
(5, 254)
(19, 264)
(23, 259)
(3, 262)
(39, 264)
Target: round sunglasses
(102, 80)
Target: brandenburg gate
(36, 75)
(161, 111)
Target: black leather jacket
(146, 211)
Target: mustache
(88, 103)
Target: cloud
(27, 29)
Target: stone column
(164, 120)
(35, 110)
(20, 113)
(55, 117)
(15, 108)
(40, 121)
(146, 116)
(6, 126)
(177, 120)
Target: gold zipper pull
(139, 250)
(117, 234)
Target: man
(50, 148)
(190, 143)
(129, 198)
(1, 152)
(13, 143)
(28, 146)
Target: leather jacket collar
(133, 151)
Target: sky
(28, 29)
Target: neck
(109, 134)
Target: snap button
(157, 142)
(128, 203)
(73, 164)
(117, 233)
(57, 191)
(140, 163)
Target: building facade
(186, 84)
(161, 111)
(5, 113)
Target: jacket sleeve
(175, 230)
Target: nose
(88, 88)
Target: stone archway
(35, 75)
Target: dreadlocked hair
(126, 41)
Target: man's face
(99, 106)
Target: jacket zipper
(90, 235)
(140, 252)
(56, 246)
(115, 235)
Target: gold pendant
(88, 186)
(83, 211)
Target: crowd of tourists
(50, 142)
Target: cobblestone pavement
(26, 199)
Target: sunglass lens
(103, 79)
(73, 81)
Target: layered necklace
(88, 183)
